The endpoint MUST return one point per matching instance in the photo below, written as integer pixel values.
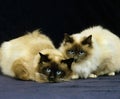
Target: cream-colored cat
(96, 51)
(34, 57)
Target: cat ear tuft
(43, 58)
(87, 40)
(68, 62)
(67, 38)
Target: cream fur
(105, 55)
(24, 48)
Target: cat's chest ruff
(80, 67)
(83, 70)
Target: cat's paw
(111, 74)
(41, 78)
(75, 76)
(92, 76)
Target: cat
(34, 57)
(96, 51)
(54, 66)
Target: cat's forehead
(55, 58)
(55, 65)
(76, 46)
(78, 38)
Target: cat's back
(99, 34)
(30, 38)
(30, 41)
(24, 46)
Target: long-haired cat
(53, 67)
(96, 51)
(34, 57)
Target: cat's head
(77, 47)
(53, 67)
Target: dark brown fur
(55, 71)
(79, 51)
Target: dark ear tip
(70, 60)
(44, 58)
(87, 40)
(90, 36)
(41, 54)
(68, 38)
(66, 34)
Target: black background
(56, 17)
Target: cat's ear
(43, 58)
(68, 62)
(87, 40)
(67, 38)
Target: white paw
(75, 76)
(92, 76)
(111, 74)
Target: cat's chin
(77, 60)
(41, 78)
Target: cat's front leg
(111, 74)
(39, 77)
(75, 76)
(19, 70)
(92, 76)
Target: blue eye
(48, 70)
(59, 72)
(81, 52)
(71, 52)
